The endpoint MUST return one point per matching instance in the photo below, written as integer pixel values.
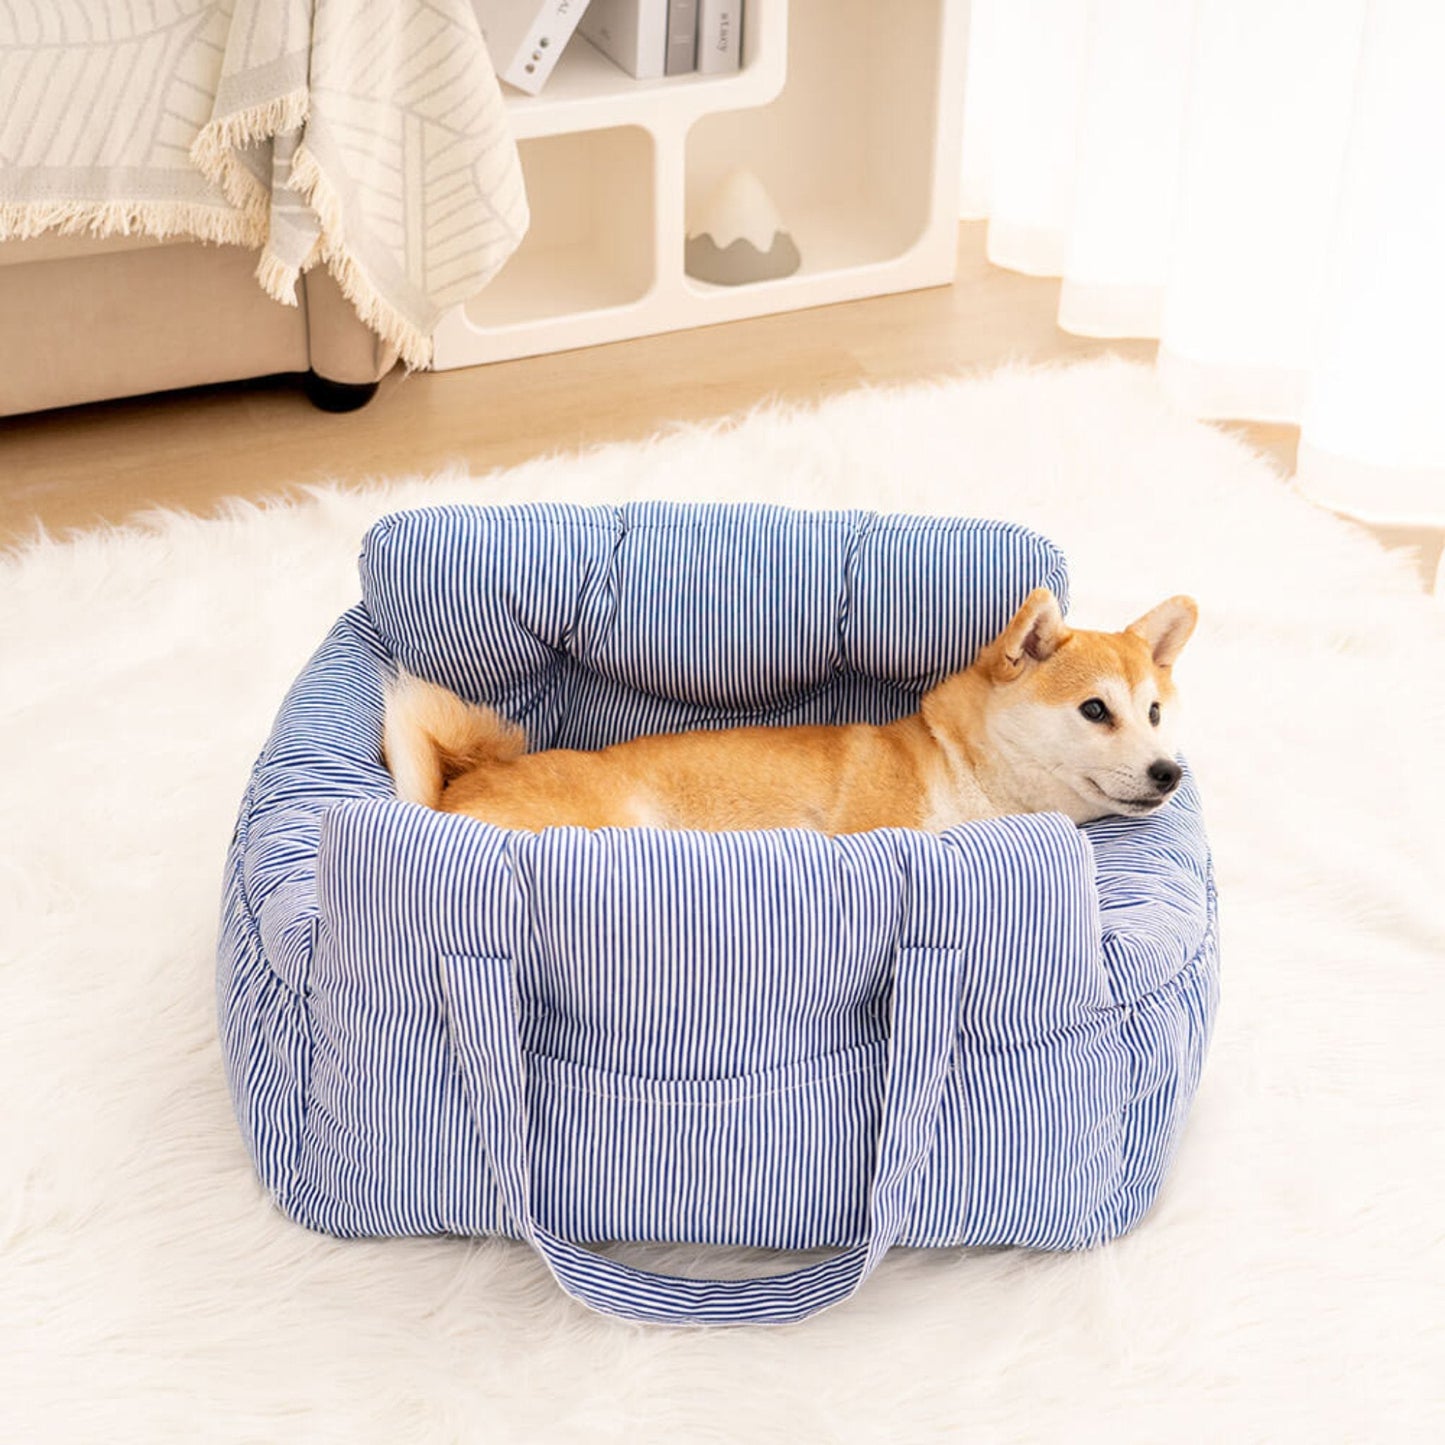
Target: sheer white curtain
(1258, 183)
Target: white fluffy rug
(1286, 1288)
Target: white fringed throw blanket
(366, 134)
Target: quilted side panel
(1159, 919)
(490, 601)
(704, 1023)
(587, 625)
(1031, 1139)
(324, 749)
(388, 1146)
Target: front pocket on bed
(780, 1159)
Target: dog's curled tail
(431, 736)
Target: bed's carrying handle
(482, 1023)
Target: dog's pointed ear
(1036, 632)
(1167, 628)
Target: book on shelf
(681, 37)
(719, 36)
(526, 37)
(653, 38)
(631, 33)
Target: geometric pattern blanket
(367, 135)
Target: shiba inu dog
(1045, 719)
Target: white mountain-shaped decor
(737, 235)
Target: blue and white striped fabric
(985, 1036)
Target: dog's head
(1085, 720)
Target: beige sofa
(83, 319)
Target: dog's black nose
(1165, 775)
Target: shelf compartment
(856, 181)
(591, 243)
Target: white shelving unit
(848, 110)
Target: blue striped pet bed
(985, 1036)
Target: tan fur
(432, 736)
(1003, 736)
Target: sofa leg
(328, 395)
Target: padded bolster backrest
(737, 608)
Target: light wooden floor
(102, 463)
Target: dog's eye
(1154, 713)
(1095, 710)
